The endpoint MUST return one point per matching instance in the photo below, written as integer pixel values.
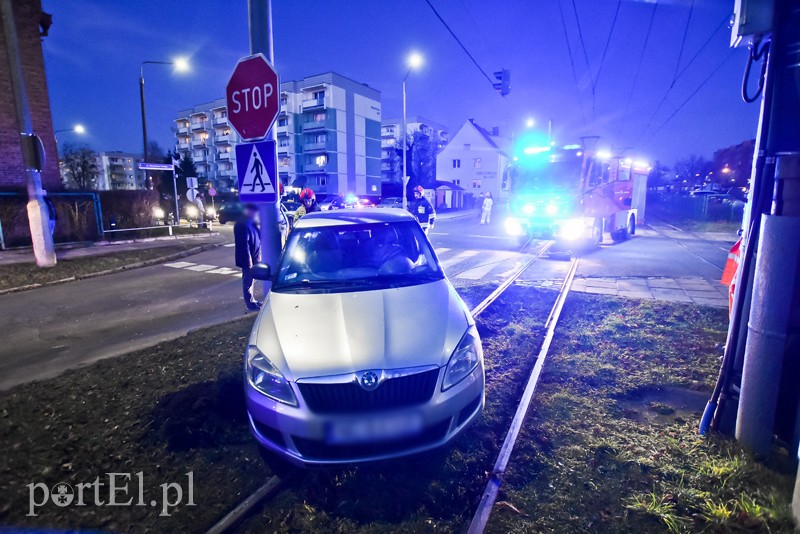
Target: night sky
(95, 48)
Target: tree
(693, 170)
(421, 159)
(660, 175)
(80, 166)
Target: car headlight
(158, 213)
(192, 211)
(210, 212)
(513, 227)
(528, 209)
(551, 209)
(464, 359)
(572, 229)
(266, 378)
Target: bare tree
(693, 169)
(80, 166)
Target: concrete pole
(260, 23)
(404, 137)
(38, 214)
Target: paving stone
(696, 285)
(664, 283)
(673, 295)
(636, 295)
(718, 303)
(708, 294)
(625, 285)
(599, 282)
(602, 290)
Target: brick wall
(12, 174)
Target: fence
(696, 208)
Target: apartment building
(119, 171)
(328, 134)
(391, 143)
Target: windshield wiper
(309, 284)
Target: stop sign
(252, 97)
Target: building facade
(328, 130)
(733, 165)
(119, 171)
(391, 143)
(475, 159)
(31, 25)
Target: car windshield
(357, 257)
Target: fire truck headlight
(528, 209)
(513, 227)
(551, 209)
(572, 229)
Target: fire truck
(574, 197)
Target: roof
(354, 216)
(485, 133)
(441, 184)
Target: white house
(475, 159)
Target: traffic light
(503, 86)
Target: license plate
(374, 428)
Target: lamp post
(180, 65)
(414, 61)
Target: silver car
(362, 350)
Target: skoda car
(362, 350)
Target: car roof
(354, 216)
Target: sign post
(176, 220)
(253, 103)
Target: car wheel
(618, 236)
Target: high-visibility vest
(731, 268)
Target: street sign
(257, 169)
(252, 97)
(191, 182)
(192, 194)
(212, 192)
(157, 166)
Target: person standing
(248, 252)
(422, 209)
(486, 209)
(308, 204)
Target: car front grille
(351, 398)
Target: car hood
(312, 335)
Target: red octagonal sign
(252, 95)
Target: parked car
(343, 363)
(232, 211)
(333, 202)
(391, 202)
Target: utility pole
(32, 152)
(259, 14)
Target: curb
(130, 266)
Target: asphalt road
(51, 329)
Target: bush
(128, 209)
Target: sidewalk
(11, 257)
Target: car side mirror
(261, 271)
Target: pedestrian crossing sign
(257, 169)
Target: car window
(357, 257)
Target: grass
(24, 274)
(611, 444)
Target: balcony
(313, 168)
(199, 142)
(223, 139)
(387, 133)
(220, 121)
(283, 149)
(315, 147)
(387, 167)
(183, 146)
(199, 125)
(313, 125)
(223, 156)
(183, 129)
(314, 103)
(282, 130)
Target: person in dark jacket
(248, 251)
(422, 209)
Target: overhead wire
(689, 98)
(571, 60)
(678, 75)
(464, 48)
(638, 69)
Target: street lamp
(78, 129)
(414, 61)
(181, 65)
(529, 123)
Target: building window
(319, 95)
(466, 146)
(476, 163)
(457, 182)
(321, 160)
(285, 162)
(283, 142)
(476, 184)
(321, 138)
(283, 121)
(456, 163)
(319, 117)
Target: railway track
(274, 484)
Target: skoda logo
(369, 380)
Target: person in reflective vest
(422, 209)
(308, 204)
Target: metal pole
(38, 214)
(144, 125)
(177, 218)
(404, 178)
(260, 24)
